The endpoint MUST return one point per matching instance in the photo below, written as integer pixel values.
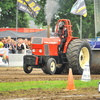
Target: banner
(29, 6)
(79, 8)
(97, 16)
(4, 59)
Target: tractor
(46, 55)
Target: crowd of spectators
(22, 46)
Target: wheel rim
(52, 66)
(29, 67)
(84, 57)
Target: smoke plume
(51, 8)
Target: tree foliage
(8, 15)
(64, 13)
(40, 19)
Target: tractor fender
(69, 39)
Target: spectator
(1, 44)
(9, 38)
(12, 49)
(5, 43)
(25, 46)
(8, 44)
(26, 43)
(20, 46)
(29, 47)
(12, 41)
(3, 40)
(15, 45)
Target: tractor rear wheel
(78, 53)
(50, 67)
(27, 69)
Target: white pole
(95, 19)
(16, 24)
(80, 26)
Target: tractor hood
(51, 40)
(45, 46)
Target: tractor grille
(29, 59)
(46, 49)
(37, 41)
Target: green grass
(45, 85)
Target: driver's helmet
(61, 25)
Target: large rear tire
(78, 53)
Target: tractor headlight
(40, 50)
(33, 50)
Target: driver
(62, 33)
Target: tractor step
(63, 58)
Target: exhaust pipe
(48, 31)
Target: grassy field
(45, 85)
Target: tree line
(8, 16)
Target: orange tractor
(46, 54)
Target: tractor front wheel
(27, 69)
(50, 67)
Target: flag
(79, 8)
(29, 6)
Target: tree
(40, 19)
(64, 13)
(87, 22)
(8, 15)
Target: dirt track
(8, 74)
(17, 74)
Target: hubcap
(84, 57)
(29, 67)
(52, 66)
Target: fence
(15, 60)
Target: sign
(4, 59)
(79, 8)
(29, 6)
(86, 73)
(97, 15)
(99, 87)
